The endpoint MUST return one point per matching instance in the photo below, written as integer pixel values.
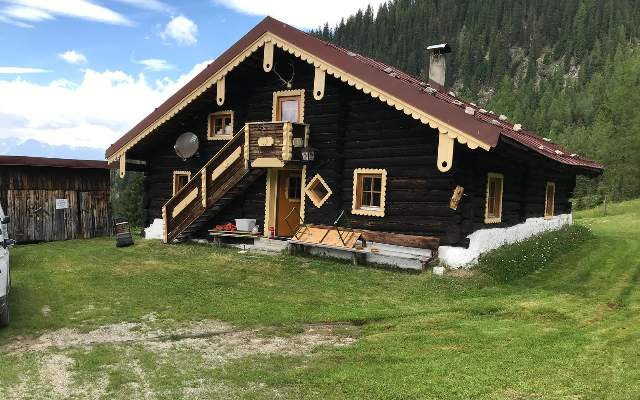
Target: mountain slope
(563, 69)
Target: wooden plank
(226, 163)
(333, 239)
(397, 239)
(188, 199)
(326, 246)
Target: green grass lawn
(192, 321)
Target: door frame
(271, 196)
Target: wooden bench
(218, 235)
(324, 236)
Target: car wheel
(4, 315)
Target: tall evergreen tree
(569, 69)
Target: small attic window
(318, 191)
(180, 179)
(220, 125)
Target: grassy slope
(568, 330)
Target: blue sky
(77, 74)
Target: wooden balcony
(274, 144)
(257, 146)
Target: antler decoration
(287, 83)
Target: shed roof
(52, 162)
(428, 103)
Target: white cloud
(303, 14)
(6, 20)
(92, 113)
(38, 10)
(73, 57)
(26, 13)
(156, 64)
(154, 5)
(21, 70)
(182, 30)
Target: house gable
(346, 66)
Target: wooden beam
(220, 91)
(445, 152)
(267, 163)
(267, 61)
(123, 165)
(318, 84)
(203, 192)
(233, 157)
(396, 239)
(188, 199)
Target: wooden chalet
(294, 130)
(55, 199)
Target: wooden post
(318, 84)
(123, 165)
(445, 152)
(358, 258)
(220, 90)
(267, 61)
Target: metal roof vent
(470, 110)
(437, 62)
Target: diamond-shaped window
(318, 191)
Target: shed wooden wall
(28, 195)
(352, 130)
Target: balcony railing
(273, 144)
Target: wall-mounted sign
(62, 204)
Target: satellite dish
(186, 145)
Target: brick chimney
(437, 63)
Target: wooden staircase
(226, 175)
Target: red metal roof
(52, 162)
(430, 99)
(507, 129)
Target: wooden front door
(288, 202)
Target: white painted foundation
(155, 230)
(485, 240)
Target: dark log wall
(28, 195)
(525, 181)
(352, 130)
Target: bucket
(245, 224)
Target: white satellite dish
(186, 145)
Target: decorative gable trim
(350, 79)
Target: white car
(5, 278)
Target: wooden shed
(55, 199)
